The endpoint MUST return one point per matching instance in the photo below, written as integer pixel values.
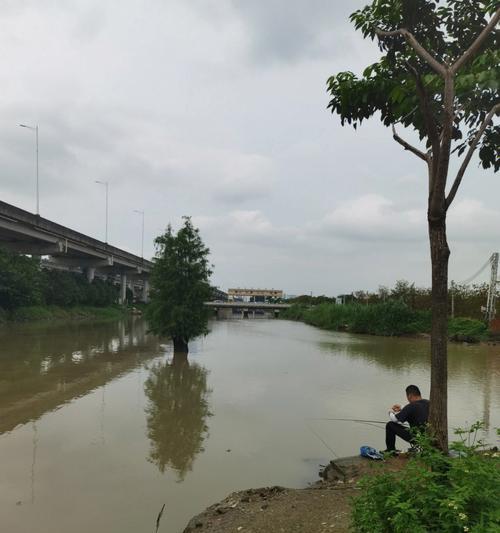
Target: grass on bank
(389, 319)
(52, 312)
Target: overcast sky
(217, 109)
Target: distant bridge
(247, 308)
(25, 233)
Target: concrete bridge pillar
(123, 289)
(145, 291)
(90, 271)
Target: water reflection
(404, 353)
(43, 367)
(177, 413)
(476, 364)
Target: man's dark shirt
(415, 413)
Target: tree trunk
(180, 359)
(180, 345)
(438, 413)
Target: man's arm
(404, 414)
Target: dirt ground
(323, 507)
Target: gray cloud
(290, 30)
(216, 109)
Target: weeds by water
(158, 519)
(390, 318)
(434, 493)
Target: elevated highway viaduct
(25, 233)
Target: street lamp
(142, 241)
(106, 184)
(35, 129)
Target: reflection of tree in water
(176, 413)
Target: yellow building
(254, 294)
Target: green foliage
(180, 284)
(306, 299)
(393, 317)
(53, 312)
(67, 289)
(392, 86)
(26, 288)
(467, 329)
(434, 493)
(20, 281)
(389, 318)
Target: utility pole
(142, 234)
(492, 291)
(106, 184)
(35, 129)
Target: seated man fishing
(416, 413)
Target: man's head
(413, 393)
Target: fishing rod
(351, 420)
(373, 423)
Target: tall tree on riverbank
(438, 75)
(180, 286)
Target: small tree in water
(439, 76)
(180, 286)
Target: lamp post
(142, 239)
(106, 184)
(35, 129)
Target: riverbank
(383, 319)
(53, 312)
(323, 507)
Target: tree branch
(470, 153)
(408, 146)
(437, 204)
(430, 123)
(419, 49)
(476, 45)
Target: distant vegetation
(468, 299)
(403, 310)
(29, 292)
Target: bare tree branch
(470, 153)
(412, 41)
(408, 146)
(476, 45)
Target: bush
(467, 329)
(25, 289)
(389, 318)
(19, 281)
(434, 493)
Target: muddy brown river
(100, 425)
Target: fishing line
(322, 440)
(373, 425)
